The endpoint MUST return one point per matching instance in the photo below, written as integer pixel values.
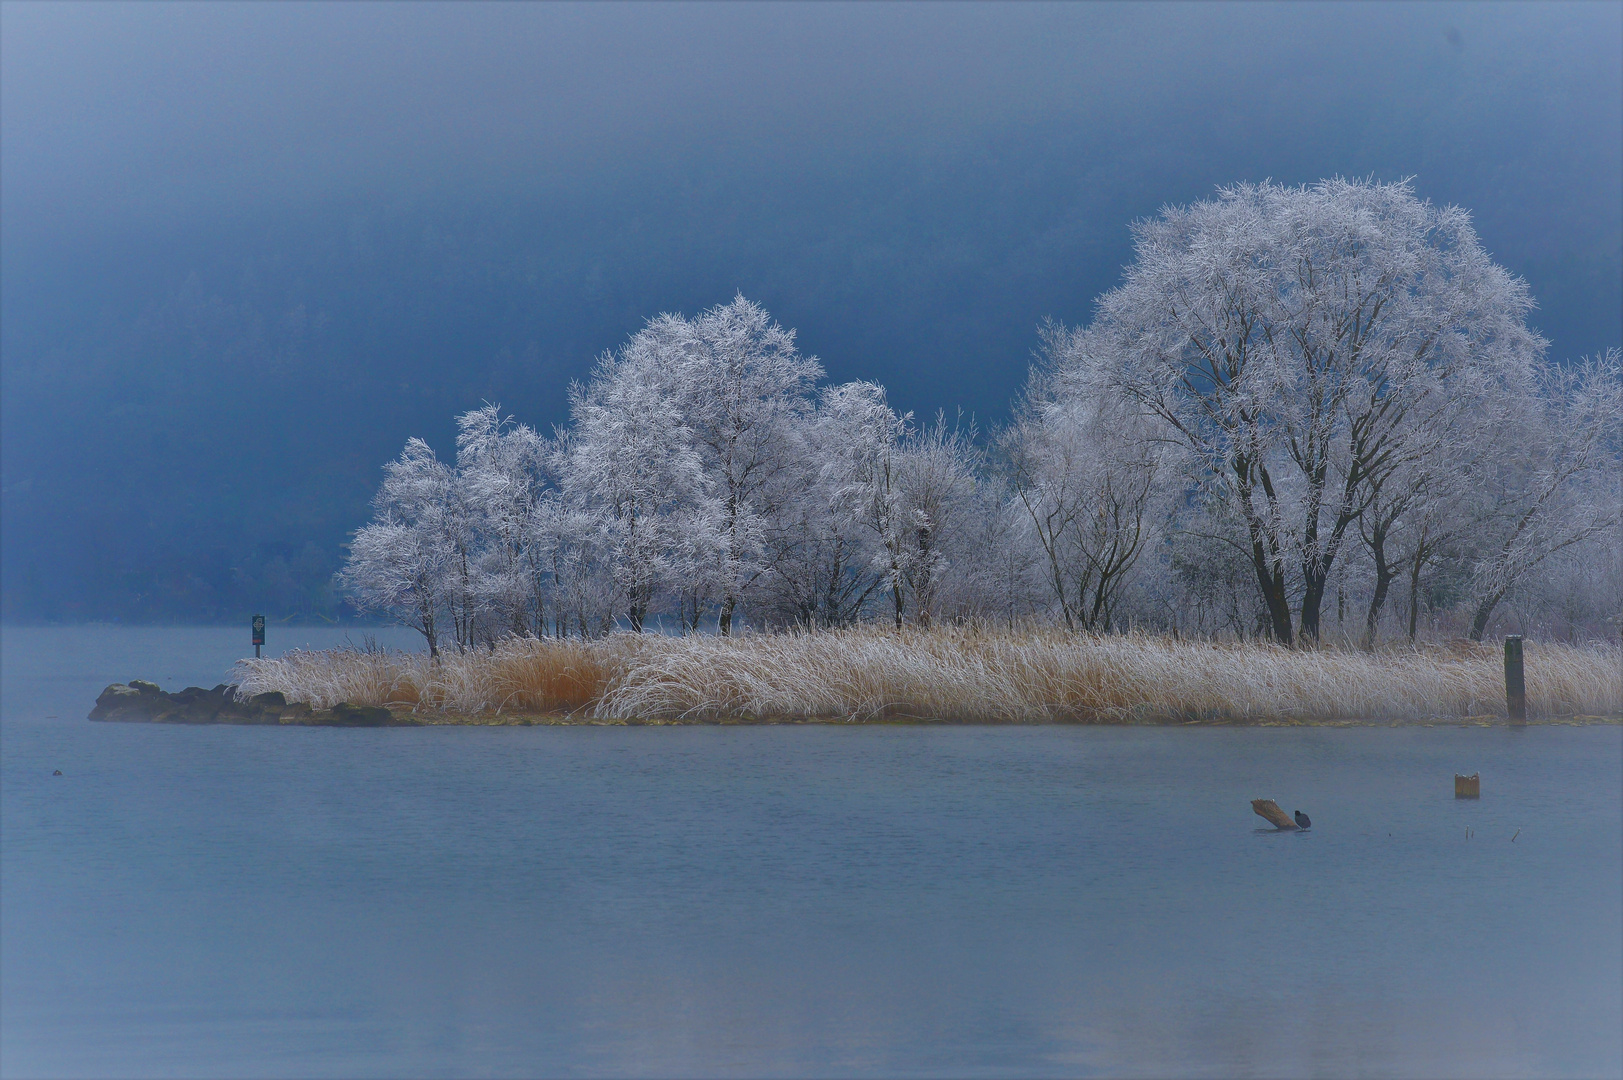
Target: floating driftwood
(1468, 787)
(1270, 812)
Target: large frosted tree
(1295, 341)
(744, 391)
(629, 460)
(691, 438)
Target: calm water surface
(227, 901)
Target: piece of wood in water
(1468, 787)
(1270, 812)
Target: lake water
(241, 901)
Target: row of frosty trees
(1306, 411)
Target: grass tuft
(965, 675)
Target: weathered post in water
(259, 635)
(1468, 787)
(1270, 812)
(1515, 684)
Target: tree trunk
(1484, 612)
(923, 587)
(426, 626)
(1271, 579)
(1099, 619)
(1383, 582)
(637, 609)
(1316, 577)
(1265, 557)
(1316, 568)
(724, 619)
(1414, 585)
(1312, 601)
(1059, 591)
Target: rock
(346, 715)
(145, 703)
(195, 705)
(119, 702)
(1270, 812)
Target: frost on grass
(949, 674)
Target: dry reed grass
(961, 675)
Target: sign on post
(259, 633)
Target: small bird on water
(1303, 821)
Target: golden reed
(958, 674)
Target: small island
(1244, 493)
(965, 674)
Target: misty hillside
(228, 299)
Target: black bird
(1303, 821)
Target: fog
(248, 250)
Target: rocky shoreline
(143, 702)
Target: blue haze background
(247, 250)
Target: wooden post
(1515, 684)
(1468, 787)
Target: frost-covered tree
(743, 392)
(501, 474)
(1553, 484)
(1411, 517)
(630, 459)
(404, 563)
(941, 499)
(1086, 471)
(1289, 340)
(713, 412)
(571, 541)
(863, 438)
(1298, 396)
(820, 555)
